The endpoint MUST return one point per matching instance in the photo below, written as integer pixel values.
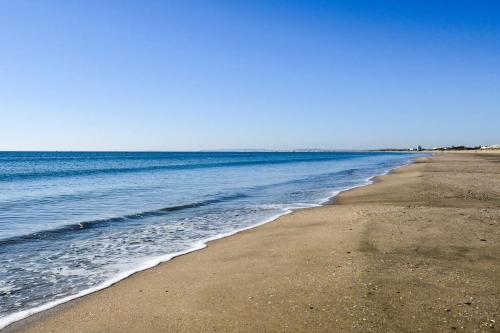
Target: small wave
(89, 172)
(85, 225)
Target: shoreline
(151, 263)
(141, 276)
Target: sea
(75, 222)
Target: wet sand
(419, 250)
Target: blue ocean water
(73, 222)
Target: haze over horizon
(199, 75)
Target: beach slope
(419, 250)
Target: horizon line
(201, 150)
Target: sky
(206, 75)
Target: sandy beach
(419, 250)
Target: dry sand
(417, 251)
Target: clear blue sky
(189, 75)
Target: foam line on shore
(152, 262)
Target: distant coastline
(450, 148)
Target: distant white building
(497, 146)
